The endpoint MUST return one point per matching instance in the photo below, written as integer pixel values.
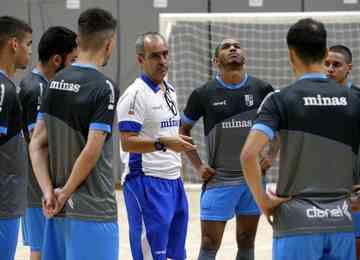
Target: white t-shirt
(143, 109)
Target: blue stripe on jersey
(129, 126)
(38, 73)
(187, 120)
(313, 76)
(3, 130)
(31, 126)
(101, 127)
(232, 86)
(265, 129)
(154, 86)
(40, 116)
(135, 163)
(83, 65)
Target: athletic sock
(207, 254)
(245, 254)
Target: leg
(34, 225)
(298, 247)
(9, 229)
(90, 240)
(341, 246)
(217, 206)
(178, 229)
(247, 218)
(245, 236)
(54, 241)
(211, 236)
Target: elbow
(247, 156)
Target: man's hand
(269, 203)
(180, 143)
(62, 197)
(49, 204)
(205, 171)
(266, 162)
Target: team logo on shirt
(219, 103)
(338, 212)
(249, 100)
(324, 101)
(2, 95)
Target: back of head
(95, 26)
(56, 40)
(12, 27)
(307, 38)
(345, 51)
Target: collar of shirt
(232, 86)
(4, 74)
(313, 76)
(37, 72)
(83, 65)
(154, 86)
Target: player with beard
(57, 49)
(228, 107)
(71, 150)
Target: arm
(83, 165)
(268, 155)
(133, 142)
(39, 154)
(249, 157)
(204, 170)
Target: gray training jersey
(13, 159)
(319, 126)
(228, 112)
(79, 99)
(32, 87)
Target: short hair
(12, 27)
(95, 25)
(344, 51)
(56, 40)
(140, 41)
(307, 38)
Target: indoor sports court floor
(228, 247)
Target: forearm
(253, 177)
(274, 146)
(40, 164)
(138, 144)
(81, 170)
(192, 155)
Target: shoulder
(256, 82)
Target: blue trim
(101, 127)
(313, 76)
(232, 86)
(154, 86)
(86, 66)
(40, 116)
(4, 74)
(3, 130)
(129, 126)
(349, 84)
(186, 119)
(135, 162)
(265, 129)
(38, 73)
(31, 126)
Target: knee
(246, 239)
(209, 243)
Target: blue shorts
(158, 217)
(356, 220)
(33, 224)
(9, 231)
(71, 239)
(222, 203)
(326, 246)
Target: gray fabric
(224, 143)
(317, 173)
(207, 254)
(13, 177)
(95, 198)
(245, 254)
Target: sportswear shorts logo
(338, 212)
